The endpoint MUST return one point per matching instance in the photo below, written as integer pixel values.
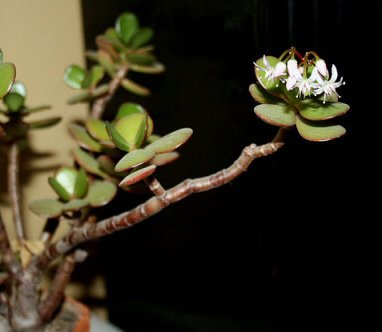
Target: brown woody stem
(14, 189)
(155, 204)
(100, 104)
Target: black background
(283, 247)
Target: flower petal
(321, 67)
(279, 69)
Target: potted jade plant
(296, 92)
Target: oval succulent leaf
(7, 77)
(260, 74)
(81, 185)
(14, 101)
(96, 129)
(46, 208)
(80, 134)
(66, 177)
(119, 141)
(262, 96)
(171, 141)
(129, 108)
(75, 205)
(137, 176)
(106, 62)
(318, 131)
(19, 88)
(87, 161)
(133, 159)
(145, 59)
(164, 158)
(155, 68)
(141, 37)
(126, 26)
(46, 123)
(93, 77)
(100, 193)
(112, 36)
(107, 164)
(59, 189)
(74, 76)
(278, 115)
(132, 128)
(134, 87)
(315, 110)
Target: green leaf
(129, 108)
(119, 141)
(87, 161)
(141, 58)
(100, 193)
(171, 141)
(260, 74)
(112, 36)
(318, 131)
(7, 77)
(74, 76)
(75, 205)
(66, 177)
(107, 164)
(164, 158)
(44, 123)
(133, 159)
(155, 68)
(93, 77)
(59, 189)
(137, 176)
(132, 128)
(46, 208)
(14, 101)
(315, 110)
(105, 60)
(82, 137)
(141, 37)
(36, 109)
(81, 185)
(262, 96)
(278, 115)
(126, 26)
(134, 87)
(96, 128)
(19, 88)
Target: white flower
(296, 80)
(272, 73)
(321, 67)
(328, 87)
(294, 74)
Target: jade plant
(124, 152)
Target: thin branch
(154, 204)
(14, 189)
(100, 104)
(60, 281)
(156, 187)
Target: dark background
(282, 247)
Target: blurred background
(279, 248)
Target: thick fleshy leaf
(126, 26)
(59, 189)
(318, 131)
(164, 158)
(74, 76)
(19, 88)
(66, 177)
(87, 161)
(100, 193)
(44, 123)
(171, 141)
(129, 108)
(137, 176)
(75, 205)
(315, 110)
(112, 36)
(141, 37)
(155, 68)
(46, 208)
(119, 141)
(278, 115)
(81, 185)
(260, 74)
(14, 101)
(133, 159)
(134, 87)
(93, 77)
(7, 77)
(105, 60)
(152, 138)
(133, 129)
(145, 59)
(262, 96)
(106, 45)
(107, 164)
(82, 137)
(36, 109)
(96, 128)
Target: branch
(60, 281)
(100, 104)
(14, 189)
(154, 204)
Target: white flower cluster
(295, 76)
